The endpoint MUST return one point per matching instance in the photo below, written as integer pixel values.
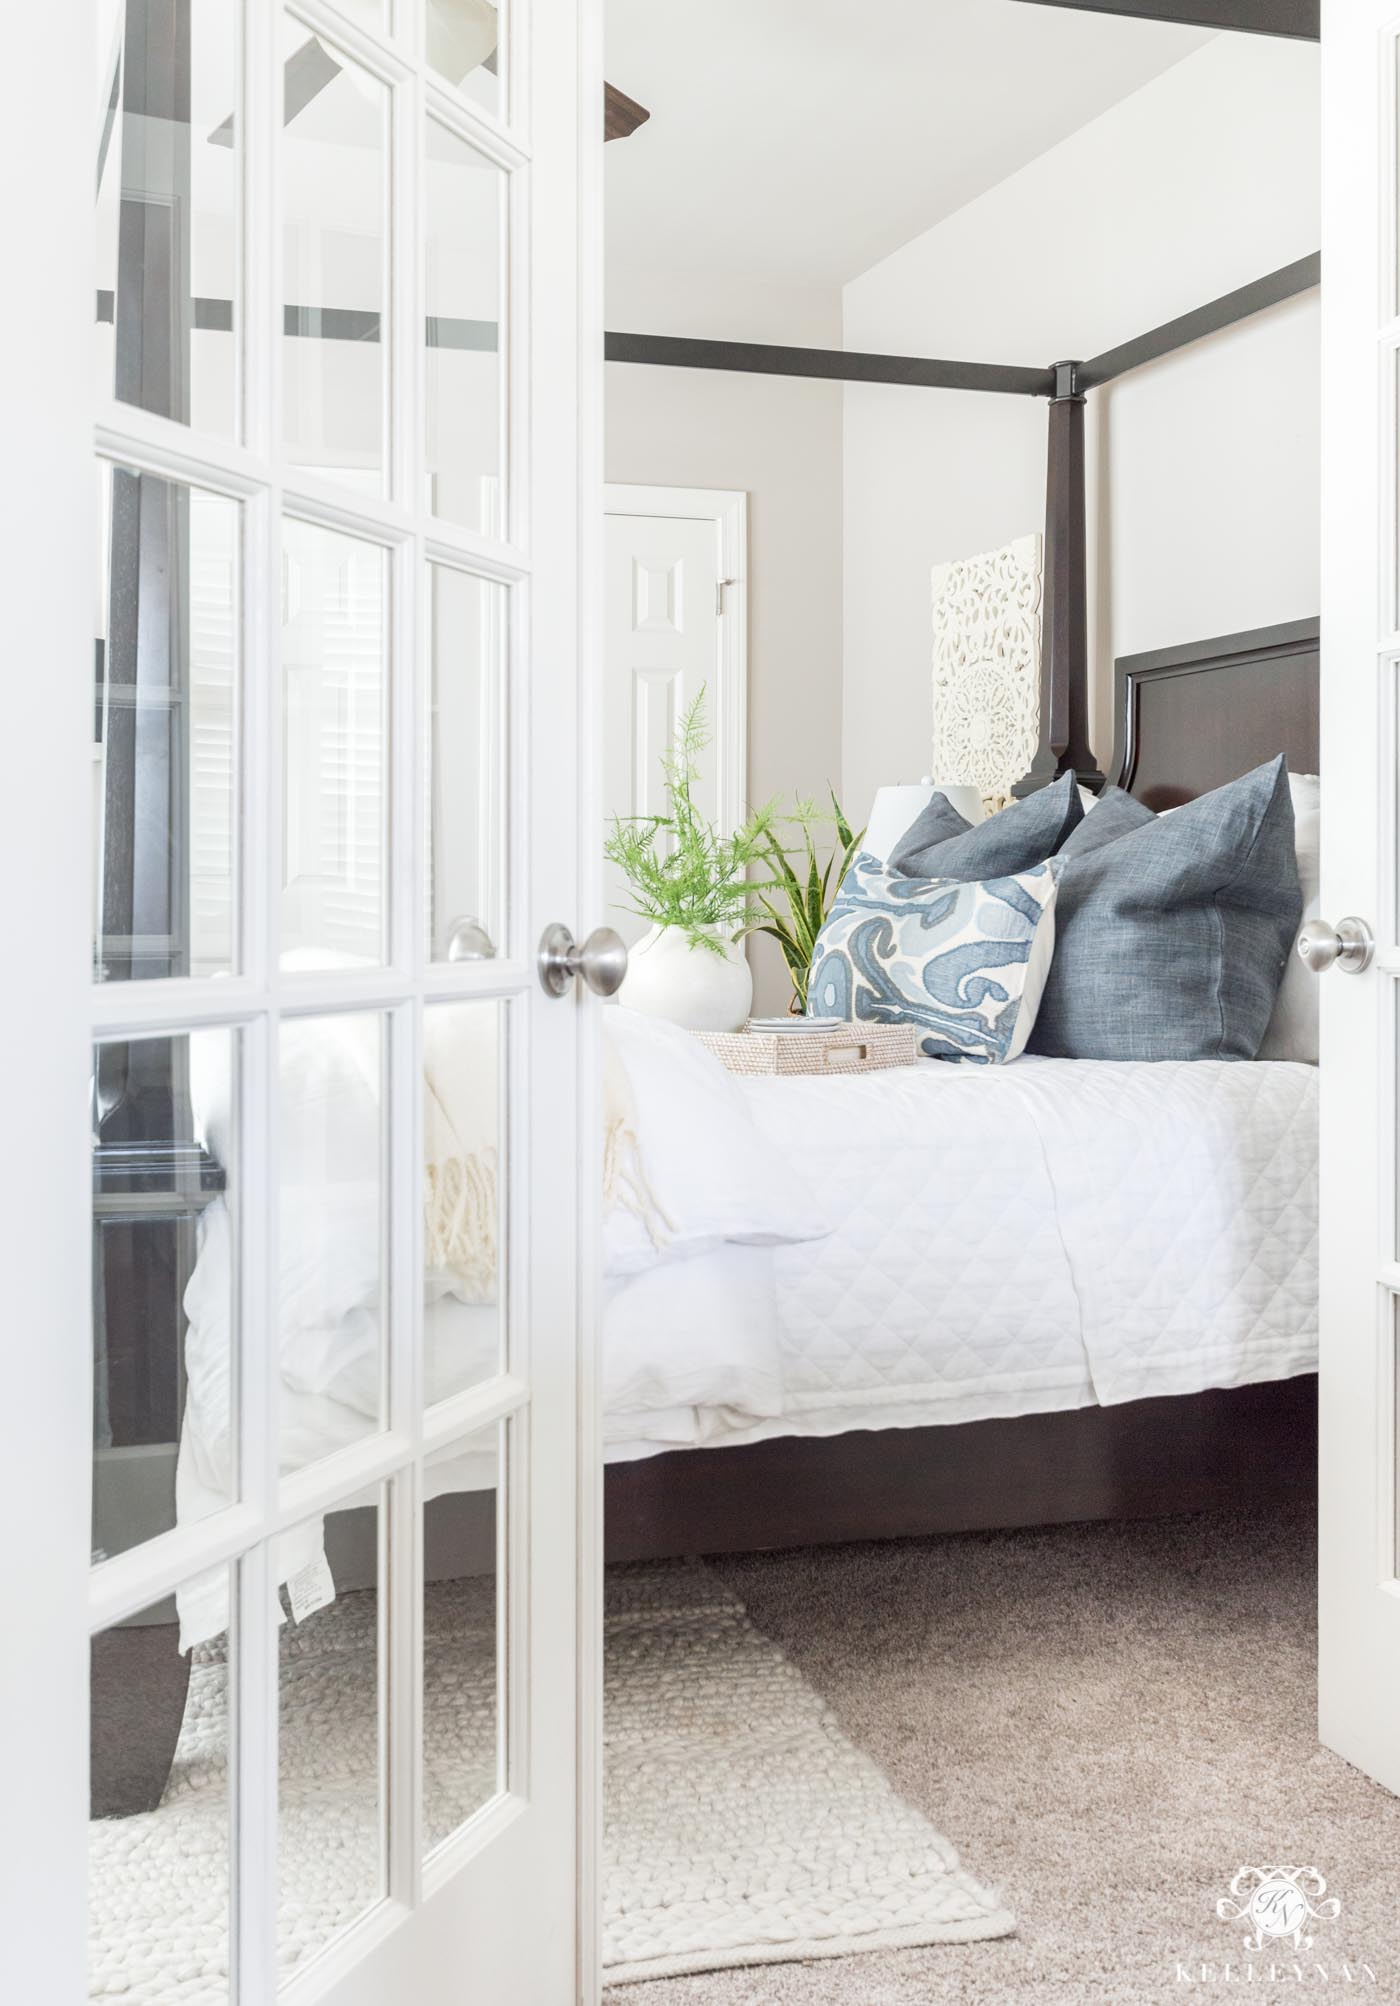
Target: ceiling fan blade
(621, 114)
(306, 71)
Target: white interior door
(317, 1335)
(1359, 1651)
(675, 566)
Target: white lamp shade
(896, 808)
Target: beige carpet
(1112, 1720)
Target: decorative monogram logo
(1280, 1902)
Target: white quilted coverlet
(1009, 1240)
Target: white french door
(1359, 1647)
(335, 1441)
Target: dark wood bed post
(1064, 648)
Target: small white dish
(788, 1025)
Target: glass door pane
(166, 720)
(159, 1841)
(330, 1825)
(466, 46)
(464, 199)
(165, 1223)
(463, 1636)
(333, 1229)
(169, 166)
(465, 1236)
(335, 749)
(467, 619)
(335, 263)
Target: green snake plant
(808, 891)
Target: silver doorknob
(601, 961)
(468, 940)
(1350, 944)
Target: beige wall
(1203, 468)
(780, 440)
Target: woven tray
(851, 1048)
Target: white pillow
(1292, 1032)
(713, 1173)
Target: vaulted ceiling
(801, 141)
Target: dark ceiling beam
(1298, 19)
(837, 365)
(1286, 283)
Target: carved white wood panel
(986, 667)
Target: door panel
(338, 1157)
(1359, 1637)
(665, 644)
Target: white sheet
(1044, 1235)
(961, 1242)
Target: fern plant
(679, 871)
(809, 891)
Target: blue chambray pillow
(965, 962)
(1174, 934)
(940, 844)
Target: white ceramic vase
(669, 976)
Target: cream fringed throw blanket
(461, 1151)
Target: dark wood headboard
(1188, 719)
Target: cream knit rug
(741, 1825)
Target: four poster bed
(1189, 719)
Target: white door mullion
(146, 1574)
(376, 53)
(476, 126)
(496, 1399)
(488, 556)
(252, 1707)
(156, 445)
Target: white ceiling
(801, 141)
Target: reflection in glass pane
(466, 672)
(165, 728)
(464, 42)
(158, 1843)
(330, 1843)
(464, 1196)
(333, 1220)
(465, 202)
(164, 1277)
(463, 1718)
(168, 172)
(335, 158)
(334, 750)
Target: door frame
(47, 531)
(592, 602)
(728, 510)
(1359, 1239)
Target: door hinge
(719, 595)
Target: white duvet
(929, 1244)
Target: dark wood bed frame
(1189, 719)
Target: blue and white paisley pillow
(965, 962)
